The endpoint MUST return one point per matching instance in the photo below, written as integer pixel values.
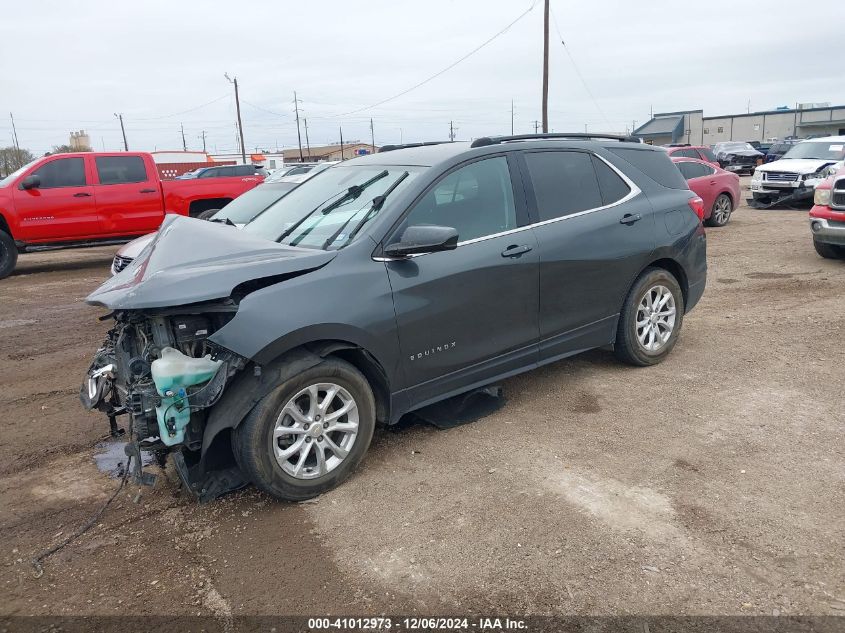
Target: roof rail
(495, 140)
(390, 148)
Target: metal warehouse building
(691, 126)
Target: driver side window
(476, 200)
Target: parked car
(827, 217)
(385, 284)
(224, 171)
(301, 172)
(698, 152)
(737, 157)
(795, 176)
(93, 198)
(238, 212)
(778, 150)
(719, 189)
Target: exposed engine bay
(159, 369)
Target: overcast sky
(71, 65)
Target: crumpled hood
(796, 165)
(192, 260)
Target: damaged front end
(159, 365)
(159, 369)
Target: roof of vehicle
(685, 146)
(426, 155)
(825, 139)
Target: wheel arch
(4, 225)
(204, 204)
(256, 381)
(672, 266)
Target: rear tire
(205, 215)
(651, 319)
(829, 251)
(8, 254)
(279, 444)
(720, 214)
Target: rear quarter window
(655, 164)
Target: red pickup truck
(94, 198)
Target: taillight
(697, 206)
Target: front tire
(8, 254)
(829, 251)
(307, 435)
(651, 319)
(720, 214)
(206, 215)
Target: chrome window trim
(634, 191)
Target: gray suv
(385, 284)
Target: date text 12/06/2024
(416, 624)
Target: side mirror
(31, 182)
(426, 238)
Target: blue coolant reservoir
(173, 373)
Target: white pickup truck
(795, 176)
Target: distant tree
(64, 149)
(12, 158)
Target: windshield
(329, 191)
(8, 180)
(247, 205)
(819, 150)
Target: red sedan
(718, 188)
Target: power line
(166, 116)
(577, 71)
(449, 67)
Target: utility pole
(511, 117)
(202, 136)
(298, 135)
(307, 142)
(536, 126)
(122, 131)
(633, 125)
(238, 110)
(184, 143)
(546, 67)
(451, 131)
(15, 135)
(372, 136)
(341, 143)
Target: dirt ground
(713, 483)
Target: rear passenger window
(115, 170)
(685, 153)
(612, 187)
(564, 183)
(655, 164)
(692, 170)
(62, 172)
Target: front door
(595, 234)
(129, 198)
(61, 207)
(468, 315)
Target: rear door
(467, 315)
(128, 195)
(595, 232)
(62, 207)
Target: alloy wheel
(655, 318)
(315, 430)
(721, 210)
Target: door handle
(515, 250)
(630, 218)
(82, 194)
(712, 182)
(148, 190)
